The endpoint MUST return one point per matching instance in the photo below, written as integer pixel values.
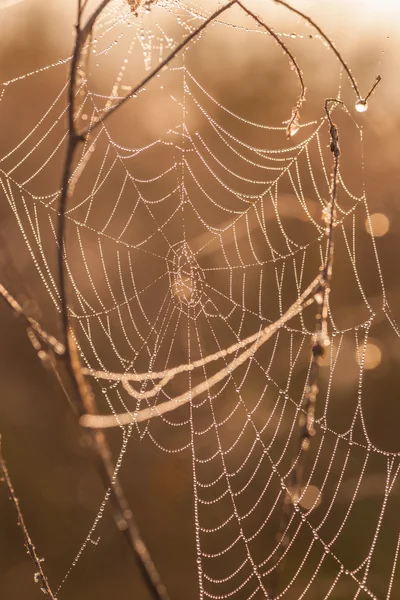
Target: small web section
(194, 244)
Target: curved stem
(84, 399)
(327, 40)
(293, 122)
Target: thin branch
(327, 40)
(88, 27)
(39, 576)
(83, 397)
(49, 340)
(74, 138)
(320, 343)
(371, 91)
(293, 124)
(122, 513)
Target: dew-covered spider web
(195, 235)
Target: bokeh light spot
(379, 225)
(310, 497)
(373, 355)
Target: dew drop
(293, 128)
(318, 297)
(361, 105)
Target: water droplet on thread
(293, 128)
(361, 105)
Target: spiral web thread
(191, 261)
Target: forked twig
(336, 52)
(39, 576)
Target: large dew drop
(361, 105)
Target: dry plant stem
(122, 513)
(295, 112)
(280, 43)
(327, 40)
(320, 341)
(50, 341)
(83, 397)
(371, 91)
(74, 138)
(40, 577)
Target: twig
(49, 340)
(39, 576)
(84, 399)
(327, 40)
(74, 138)
(122, 513)
(320, 343)
(371, 91)
(293, 124)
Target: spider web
(195, 233)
